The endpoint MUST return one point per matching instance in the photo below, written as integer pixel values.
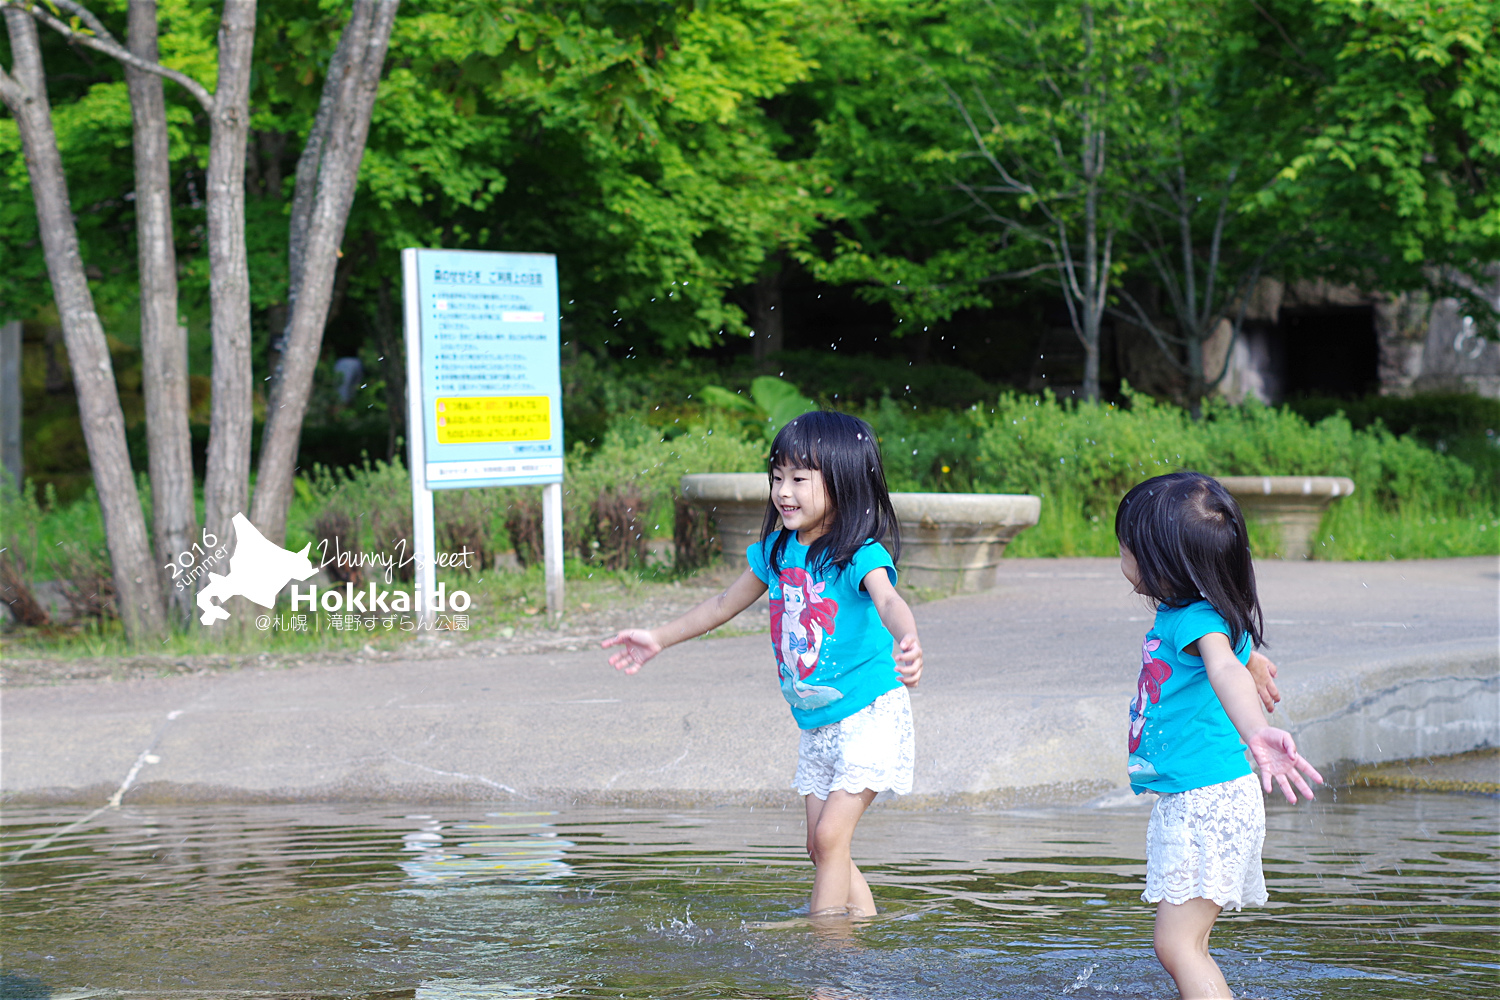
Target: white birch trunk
(329, 168)
(139, 597)
(163, 342)
(226, 485)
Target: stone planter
(949, 541)
(1294, 504)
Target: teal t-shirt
(1180, 736)
(833, 654)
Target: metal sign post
(552, 540)
(484, 392)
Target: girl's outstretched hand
(1276, 756)
(640, 645)
(908, 655)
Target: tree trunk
(1092, 293)
(226, 484)
(163, 341)
(138, 595)
(1091, 363)
(1197, 386)
(336, 144)
(770, 333)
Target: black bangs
(1189, 542)
(844, 450)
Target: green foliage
(840, 379)
(772, 403)
(37, 525)
(628, 138)
(956, 131)
(666, 150)
(21, 523)
(1418, 528)
(1348, 138)
(597, 391)
(667, 392)
(1411, 502)
(1398, 168)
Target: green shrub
(1462, 425)
(925, 451)
(374, 498)
(44, 530)
(371, 502)
(1081, 458)
(600, 391)
(635, 454)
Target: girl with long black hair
(1183, 545)
(845, 642)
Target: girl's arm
(642, 644)
(898, 620)
(1274, 750)
(1264, 673)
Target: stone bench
(949, 541)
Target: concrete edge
(408, 795)
(1454, 657)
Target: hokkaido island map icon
(258, 570)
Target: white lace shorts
(1205, 844)
(874, 748)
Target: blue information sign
(491, 392)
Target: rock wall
(1424, 345)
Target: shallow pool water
(1372, 895)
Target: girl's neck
(809, 535)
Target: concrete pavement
(1024, 701)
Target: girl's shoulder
(759, 554)
(869, 557)
(1192, 612)
(1186, 624)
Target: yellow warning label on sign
(490, 419)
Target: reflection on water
(1376, 895)
(519, 847)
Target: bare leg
(838, 886)
(1181, 940)
(861, 900)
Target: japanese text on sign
(490, 419)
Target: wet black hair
(843, 449)
(1189, 542)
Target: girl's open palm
(1276, 756)
(640, 645)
